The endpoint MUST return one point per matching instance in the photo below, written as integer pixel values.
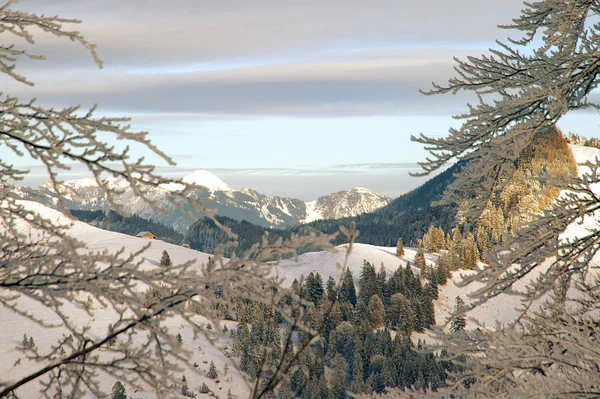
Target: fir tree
(368, 282)
(347, 290)
(118, 391)
(459, 320)
(401, 315)
(469, 254)
(165, 259)
(314, 287)
(358, 383)
(339, 381)
(376, 311)
(419, 260)
(399, 247)
(212, 371)
(204, 388)
(331, 289)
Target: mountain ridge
(243, 204)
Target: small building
(186, 245)
(146, 234)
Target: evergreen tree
(299, 382)
(358, 383)
(347, 342)
(381, 283)
(314, 287)
(284, 391)
(427, 309)
(118, 391)
(368, 282)
(204, 388)
(331, 289)
(376, 311)
(165, 259)
(420, 262)
(441, 268)
(401, 315)
(399, 247)
(339, 381)
(347, 290)
(469, 254)
(459, 320)
(212, 371)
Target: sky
(297, 98)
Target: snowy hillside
(325, 262)
(245, 204)
(98, 240)
(504, 308)
(328, 263)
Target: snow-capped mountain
(245, 204)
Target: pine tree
(399, 247)
(347, 290)
(358, 383)
(376, 312)
(165, 259)
(185, 390)
(401, 315)
(368, 282)
(314, 287)
(331, 287)
(459, 320)
(382, 288)
(433, 240)
(204, 388)
(339, 382)
(469, 253)
(212, 371)
(419, 260)
(118, 391)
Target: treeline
(576, 139)
(365, 334)
(131, 225)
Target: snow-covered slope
(98, 240)
(327, 263)
(245, 204)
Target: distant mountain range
(408, 216)
(245, 204)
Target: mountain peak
(206, 179)
(363, 190)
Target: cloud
(265, 57)
(346, 84)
